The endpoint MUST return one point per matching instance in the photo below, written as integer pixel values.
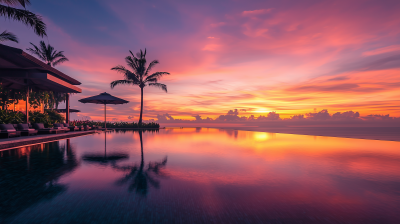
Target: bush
(11, 117)
(48, 118)
(55, 117)
(115, 124)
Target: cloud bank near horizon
(322, 117)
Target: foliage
(48, 118)
(50, 99)
(22, 15)
(47, 54)
(4, 36)
(55, 117)
(11, 117)
(139, 75)
(9, 96)
(115, 124)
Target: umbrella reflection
(105, 159)
(140, 177)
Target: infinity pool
(201, 175)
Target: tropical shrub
(48, 118)
(11, 117)
(55, 117)
(115, 124)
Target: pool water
(201, 175)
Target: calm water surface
(201, 176)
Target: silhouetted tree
(140, 75)
(21, 15)
(47, 54)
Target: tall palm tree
(140, 75)
(52, 57)
(21, 15)
(48, 54)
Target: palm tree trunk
(141, 106)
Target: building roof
(18, 70)
(15, 58)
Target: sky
(291, 57)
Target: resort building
(21, 71)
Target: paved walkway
(6, 143)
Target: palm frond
(8, 36)
(159, 85)
(121, 82)
(24, 16)
(59, 61)
(132, 62)
(156, 76)
(23, 3)
(37, 52)
(151, 65)
(58, 54)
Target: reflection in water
(139, 176)
(214, 176)
(105, 159)
(30, 175)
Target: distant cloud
(165, 117)
(322, 117)
(382, 50)
(256, 12)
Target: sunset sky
(287, 56)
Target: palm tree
(48, 54)
(140, 75)
(8, 36)
(21, 15)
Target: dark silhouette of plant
(140, 75)
(139, 176)
(21, 15)
(47, 54)
(4, 36)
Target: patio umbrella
(104, 98)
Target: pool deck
(7, 143)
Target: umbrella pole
(105, 116)
(27, 105)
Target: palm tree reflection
(140, 177)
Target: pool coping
(10, 143)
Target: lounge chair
(60, 127)
(71, 128)
(25, 130)
(42, 130)
(8, 130)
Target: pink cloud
(256, 12)
(382, 50)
